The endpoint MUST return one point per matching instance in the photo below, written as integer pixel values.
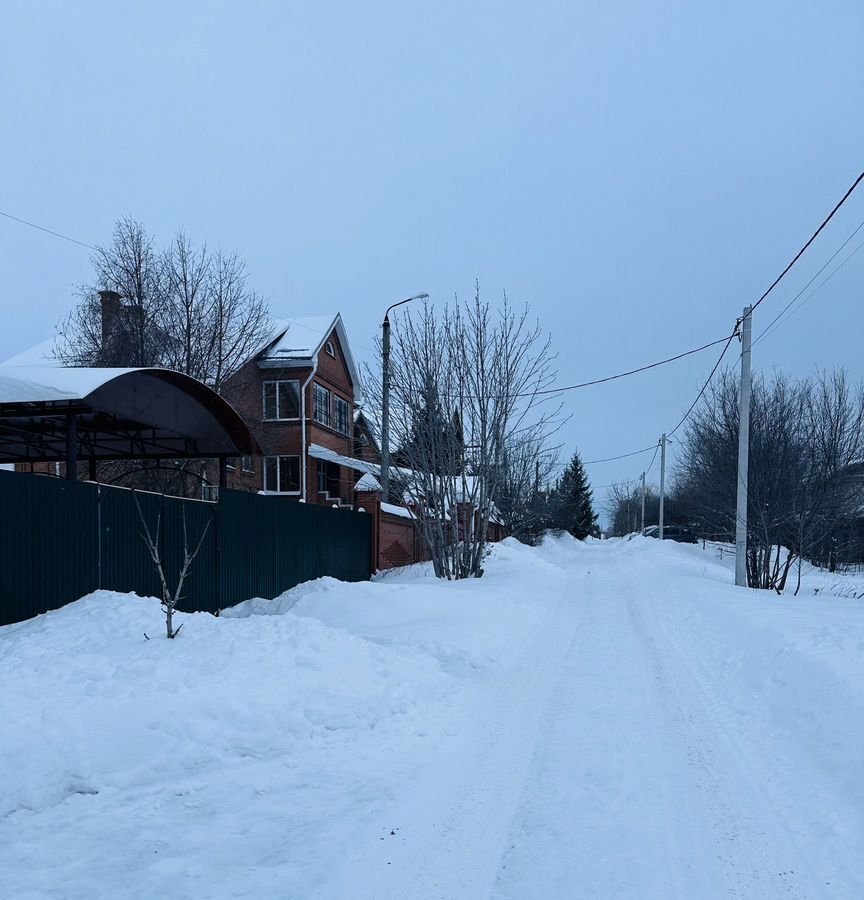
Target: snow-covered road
(608, 720)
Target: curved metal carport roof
(49, 413)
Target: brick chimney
(112, 305)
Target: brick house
(297, 394)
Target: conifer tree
(574, 507)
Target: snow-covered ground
(599, 720)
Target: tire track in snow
(744, 828)
(609, 809)
(453, 825)
(786, 823)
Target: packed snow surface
(601, 720)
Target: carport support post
(223, 472)
(743, 452)
(71, 446)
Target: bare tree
(466, 387)
(237, 320)
(805, 437)
(184, 308)
(129, 268)
(186, 275)
(524, 502)
(170, 598)
(623, 501)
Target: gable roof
(40, 355)
(294, 340)
(300, 339)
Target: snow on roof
(303, 338)
(40, 355)
(368, 483)
(300, 337)
(397, 510)
(360, 465)
(33, 384)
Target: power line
(591, 462)
(584, 384)
(728, 340)
(704, 386)
(813, 237)
(654, 365)
(776, 322)
(65, 237)
(653, 459)
(683, 418)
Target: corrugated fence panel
(247, 538)
(48, 544)
(125, 561)
(344, 548)
(60, 540)
(200, 587)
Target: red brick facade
(283, 437)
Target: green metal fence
(60, 540)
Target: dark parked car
(679, 533)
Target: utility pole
(385, 396)
(385, 409)
(743, 451)
(643, 503)
(662, 486)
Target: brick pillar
(371, 502)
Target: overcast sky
(635, 172)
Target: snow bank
(277, 751)
(89, 705)
(497, 613)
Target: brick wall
(244, 390)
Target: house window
(282, 474)
(342, 417)
(331, 350)
(230, 463)
(321, 401)
(247, 463)
(282, 399)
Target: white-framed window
(331, 350)
(321, 405)
(281, 399)
(231, 462)
(247, 463)
(282, 474)
(342, 415)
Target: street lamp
(385, 396)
